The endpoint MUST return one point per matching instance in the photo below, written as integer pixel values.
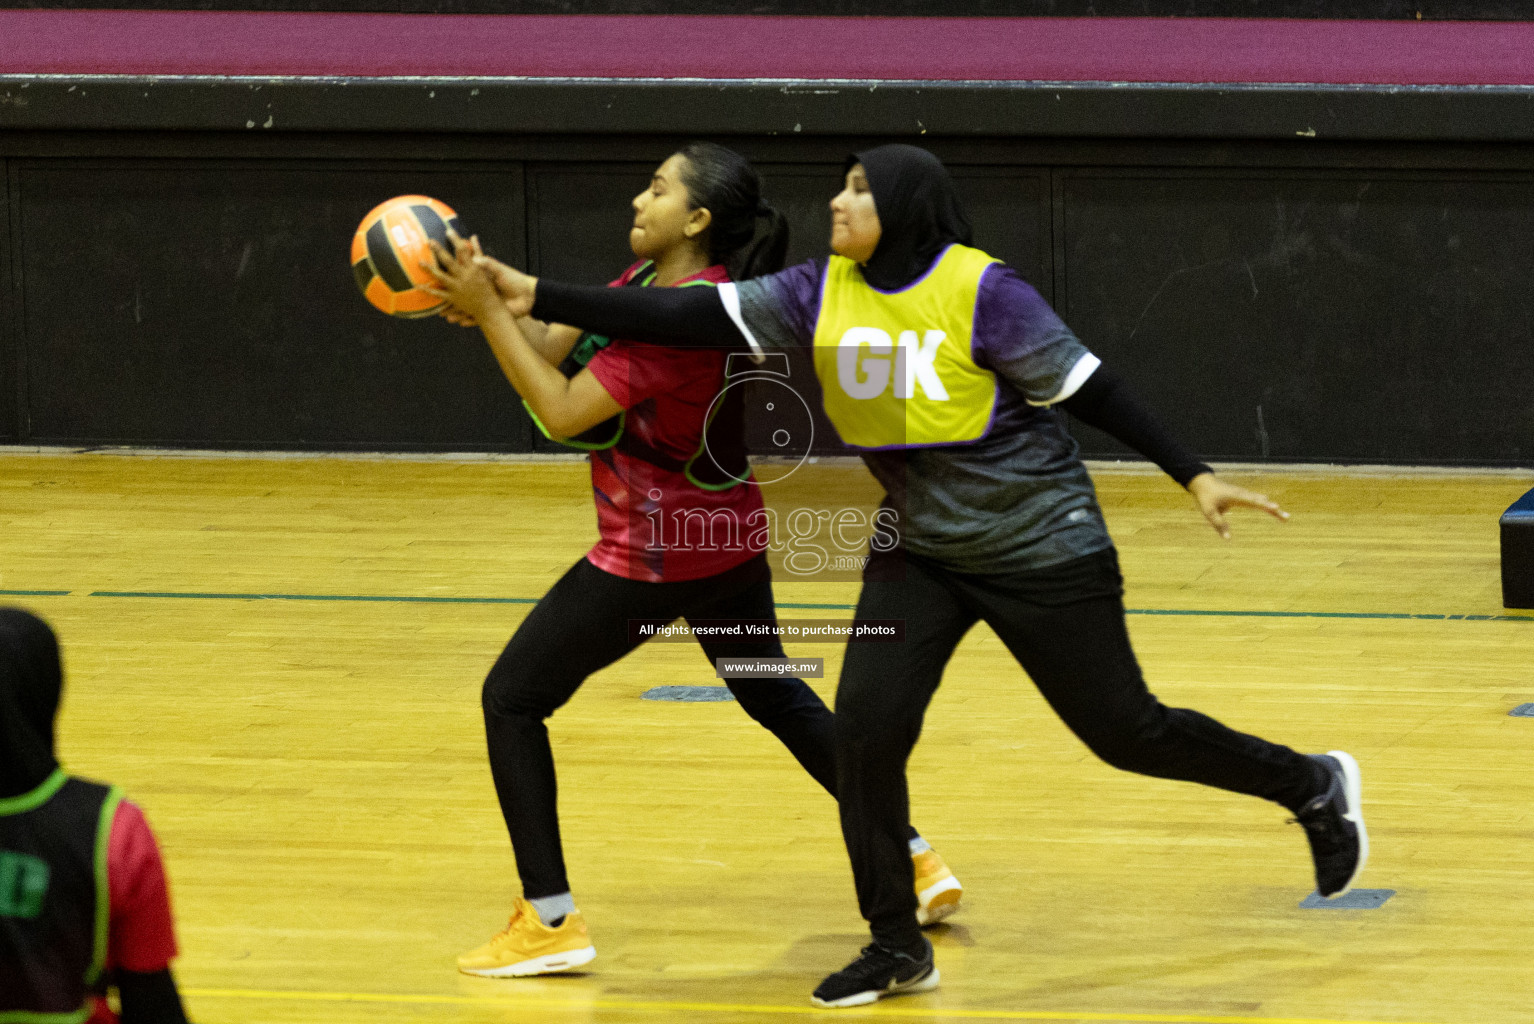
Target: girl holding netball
(944, 368)
(643, 413)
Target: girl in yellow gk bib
(944, 368)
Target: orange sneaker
(528, 947)
(937, 891)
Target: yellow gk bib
(896, 369)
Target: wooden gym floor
(314, 766)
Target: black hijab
(30, 685)
(919, 213)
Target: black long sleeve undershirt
(1105, 401)
(149, 998)
(675, 317)
(695, 317)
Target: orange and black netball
(390, 245)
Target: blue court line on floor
(413, 599)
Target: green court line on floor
(414, 599)
(659, 1006)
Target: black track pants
(581, 626)
(1065, 625)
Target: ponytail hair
(745, 234)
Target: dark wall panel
(211, 303)
(582, 213)
(10, 322)
(1362, 319)
(1353, 311)
(581, 218)
(1009, 209)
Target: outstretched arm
(1105, 401)
(676, 317)
(662, 316)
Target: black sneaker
(1334, 824)
(876, 973)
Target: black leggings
(1065, 626)
(583, 625)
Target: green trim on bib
(103, 891)
(35, 798)
(29, 1017)
(703, 447)
(570, 442)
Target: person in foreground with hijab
(944, 368)
(83, 899)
